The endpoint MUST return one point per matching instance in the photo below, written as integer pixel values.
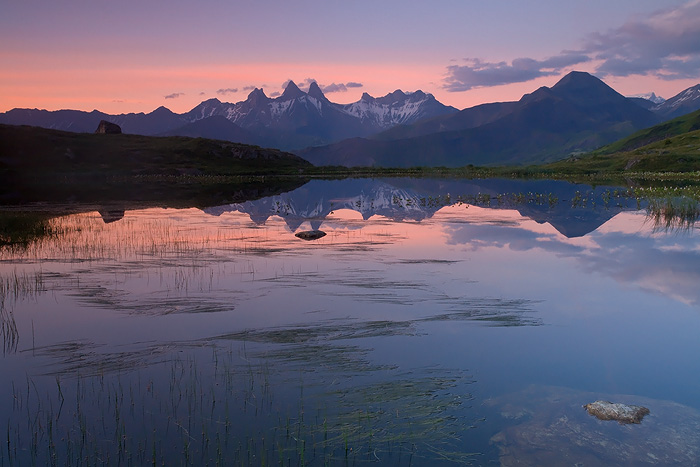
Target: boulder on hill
(108, 128)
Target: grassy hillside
(679, 153)
(675, 127)
(37, 152)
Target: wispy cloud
(340, 87)
(226, 91)
(276, 94)
(665, 45)
(252, 87)
(174, 95)
(477, 73)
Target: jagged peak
(398, 94)
(257, 96)
(315, 91)
(366, 97)
(256, 92)
(292, 91)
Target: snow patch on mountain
(393, 109)
(277, 107)
(689, 94)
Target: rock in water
(622, 413)
(108, 128)
(311, 234)
(544, 425)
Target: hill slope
(672, 146)
(677, 126)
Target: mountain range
(294, 120)
(578, 114)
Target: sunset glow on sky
(135, 56)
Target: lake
(437, 322)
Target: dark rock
(108, 128)
(622, 413)
(311, 234)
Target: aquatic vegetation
(13, 287)
(673, 213)
(223, 409)
(19, 229)
(672, 208)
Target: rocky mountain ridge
(294, 120)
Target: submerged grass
(223, 405)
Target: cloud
(226, 91)
(352, 84)
(664, 45)
(477, 73)
(249, 88)
(333, 87)
(174, 95)
(202, 93)
(276, 94)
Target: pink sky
(138, 56)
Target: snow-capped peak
(650, 96)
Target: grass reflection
(673, 214)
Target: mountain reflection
(573, 209)
(665, 264)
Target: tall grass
(13, 287)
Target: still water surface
(421, 330)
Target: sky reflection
(625, 249)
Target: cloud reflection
(664, 264)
